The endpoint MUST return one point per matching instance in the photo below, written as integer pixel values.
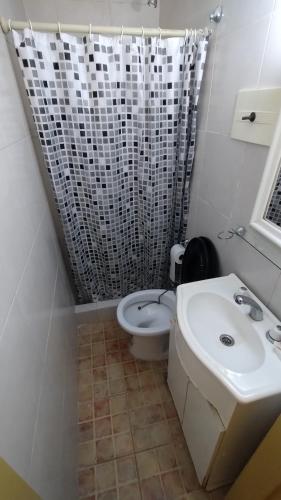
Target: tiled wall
(37, 330)
(98, 12)
(244, 53)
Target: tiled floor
(131, 444)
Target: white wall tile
(271, 68)
(237, 63)
(220, 173)
(275, 300)
(37, 326)
(253, 268)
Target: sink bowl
(224, 332)
(218, 342)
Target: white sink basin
(209, 320)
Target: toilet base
(150, 348)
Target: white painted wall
(37, 331)
(97, 12)
(245, 52)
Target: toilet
(147, 314)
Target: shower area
(115, 112)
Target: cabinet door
(177, 378)
(203, 430)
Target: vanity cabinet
(177, 378)
(220, 438)
(203, 430)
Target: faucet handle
(241, 291)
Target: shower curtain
(116, 118)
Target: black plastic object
(200, 261)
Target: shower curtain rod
(9, 24)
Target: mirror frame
(270, 232)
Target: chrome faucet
(256, 312)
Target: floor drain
(227, 340)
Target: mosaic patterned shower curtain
(117, 121)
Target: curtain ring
(142, 32)
(59, 29)
(90, 32)
(186, 35)
(122, 33)
(31, 28)
(160, 34)
(10, 24)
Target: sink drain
(227, 340)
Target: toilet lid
(200, 260)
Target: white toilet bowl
(149, 325)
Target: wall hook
(216, 15)
(251, 117)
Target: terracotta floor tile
(85, 411)
(132, 383)
(104, 449)
(98, 360)
(147, 464)
(147, 415)
(97, 336)
(135, 399)
(86, 432)
(87, 454)
(100, 391)
(143, 439)
(85, 377)
(124, 343)
(123, 444)
(115, 371)
(120, 423)
(126, 355)
(118, 404)
(142, 366)
(130, 368)
(146, 379)
(111, 346)
(85, 393)
(101, 408)
(105, 476)
(109, 334)
(151, 489)
(99, 374)
(113, 357)
(166, 457)
(117, 386)
(136, 434)
(86, 481)
(103, 427)
(84, 338)
(172, 485)
(98, 348)
(197, 495)
(170, 409)
(108, 495)
(85, 351)
(160, 433)
(85, 364)
(130, 492)
(189, 477)
(126, 469)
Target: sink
(224, 332)
(217, 341)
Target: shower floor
(131, 443)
